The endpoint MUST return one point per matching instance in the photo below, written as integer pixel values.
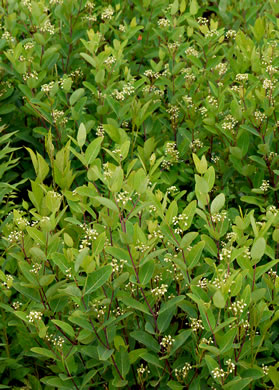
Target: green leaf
(219, 300)
(93, 150)
(258, 248)
(134, 304)
(146, 272)
(201, 165)
(217, 203)
(174, 8)
(237, 384)
(44, 352)
(107, 203)
(81, 135)
(76, 96)
(122, 361)
(65, 327)
(146, 339)
(117, 180)
(100, 75)
(97, 278)
(194, 255)
(104, 353)
(194, 7)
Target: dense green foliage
(138, 188)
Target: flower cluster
(259, 116)
(47, 27)
(173, 111)
(231, 366)
(196, 324)
(30, 75)
(219, 217)
(237, 307)
(191, 52)
(167, 341)
(221, 68)
(16, 305)
(34, 316)
(159, 292)
(265, 185)
(89, 236)
(36, 268)
(225, 254)
(117, 265)
(163, 23)
(56, 341)
(47, 87)
(229, 123)
(195, 145)
(151, 74)
(59, 117)
(122, 198)
(9, 281)
(218, 373)
(182, 372)
(231, 34)
(143, 369)
(107, 13)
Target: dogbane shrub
(143, 253)
(117, 284)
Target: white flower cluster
(271, 70)
(152, 89)
(212, 101)
(225, 254)
(191, 52)
(173, 110)
(9, 282)
(182, 219)
(122, 198)
(215, 158)
(90, 5)
(247, 253)
(265, 369)
(273, 275)
(107, 171)
(231, 34)
(89, 236)
(118, 312)
(237, 307)
(155, 234)
(218, 373)
(159, 292)
(229, 123)
(221, 68)
(163, 23)
(173, 45)
(47, 27)
(8, 36)
(127, 90)
(202, 21)
(231, 366)
(241, 77)
(171, 190)
(117, 265)
(14, 236)
(5, 85)
(202, 283)
(100, 132)
(142, 369)
(110, 61)
(265, 185)
(203, 111)
(34, 315)
(268, 84)
(219, 217)
(16, 305)
(188, 101)
(167, 341)
(107, 13)
(59, 117)
(207, 341)
(196, 324)
(196, 145)
(188, 74)
(30, 75)
(260, 116)
(141, 246)
(151, 74)
(47, 87)
(99, 309)
(122, 28)
(212, 33)
(56, 341)
(22, 222)
(183, 372)
(231, 236)
(68, 272)
(27, 4)
(36, 268)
